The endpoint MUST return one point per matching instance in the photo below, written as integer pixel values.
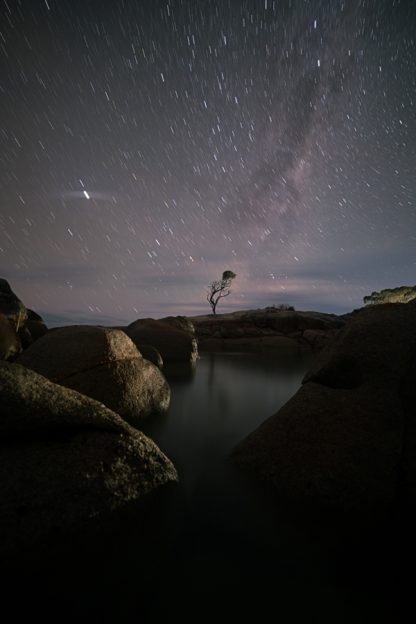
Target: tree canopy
(401, 294)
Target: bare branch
(220, 289)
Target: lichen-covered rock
(65, 458)
(347, 439)
(173, 343)
(104, 364)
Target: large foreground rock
(347, 439)
(104, 364)
(65, 458)
(173, 337)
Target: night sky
(148, 146)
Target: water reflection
(214, 405)
(181, 372)
(229, 552)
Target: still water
(218, 404)
(213, 548)
(229, 552)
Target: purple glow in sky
(149, 146)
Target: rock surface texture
(65, 457)
(10, 344)
(35, 325)
(104, 364)
(264, 329)
(10, 304)
(25, 324)
(173, 337)
(347, 439)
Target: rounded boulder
(104, 364)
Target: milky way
(149, 146)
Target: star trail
(149, 146)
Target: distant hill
(401, 294)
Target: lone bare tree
(219, 289)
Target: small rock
(172, 343)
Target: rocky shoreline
(73, 397)
(266, 329)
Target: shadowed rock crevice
(342, 371)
